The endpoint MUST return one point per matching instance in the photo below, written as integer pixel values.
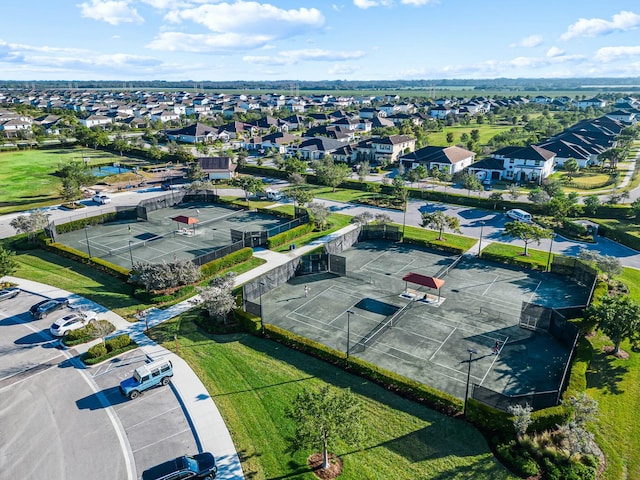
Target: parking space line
(162, 439)
(148, 419)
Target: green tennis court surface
(162, 239)
(480, 304)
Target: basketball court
(430, 341)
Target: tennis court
(162, 239)
(429, 342)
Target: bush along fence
(603, 211)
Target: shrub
(517, 460)
(411, 389)
(289, 235)
(150, 297)
(246, 321)
(97, 351)
(98, 263)
(118, 343)
(215, 266)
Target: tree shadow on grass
(606, 372)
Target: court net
(235, 213)
(392, 320)
(139, 244)
(446, 269)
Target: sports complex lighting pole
(130, 254)
(480, 242)
(472, 352)
(262, 284)
(550, 247)
(404, 215)
(86, 235)
(349, 313)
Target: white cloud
(609, 54)
(342, 70)
(250, 17)
(554, 52)
(114, 12)
(364, 4)
(528, 42)
(290, 57)
(593, 27)
(206, 43)
(417, 3)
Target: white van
(519, 215)
(273, 194)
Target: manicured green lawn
(336, 221)
(486, 133)
(48, 268)
(536, 257)
(253, 380)
(27, 177)
(450, 239)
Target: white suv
(101, 198)
(73, 321)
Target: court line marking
(490, 285)
(442, 344)
(494, 361)
(534, 291)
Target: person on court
(496, 347)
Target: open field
(27, 177)
(486, 133)
(253, 380)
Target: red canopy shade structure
(186, 221)
(424, 280)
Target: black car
(200, 466)
(45, 307)
(8, 293)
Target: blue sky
(317, 40)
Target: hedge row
(97, 263)
(436, 246)
(275, 213)
(604, 211)
(246, 321)
(289, 235)
(81, 223)
(213, 267)
(619, 236)
(523, 262)
(411, 389)
(109, 349)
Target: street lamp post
(130, 253)
(550, 247)
(86, 235)
(262, 284)
(480, 242)
(349, 313)
(466, 393)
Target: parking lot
(63, 420)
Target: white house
(447, 159)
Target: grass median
(252, 380)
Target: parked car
(45, 307)
(158, 372)
(101, 199)
(199, 466)
(519, 215)
(73, 321)
(8, 293)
